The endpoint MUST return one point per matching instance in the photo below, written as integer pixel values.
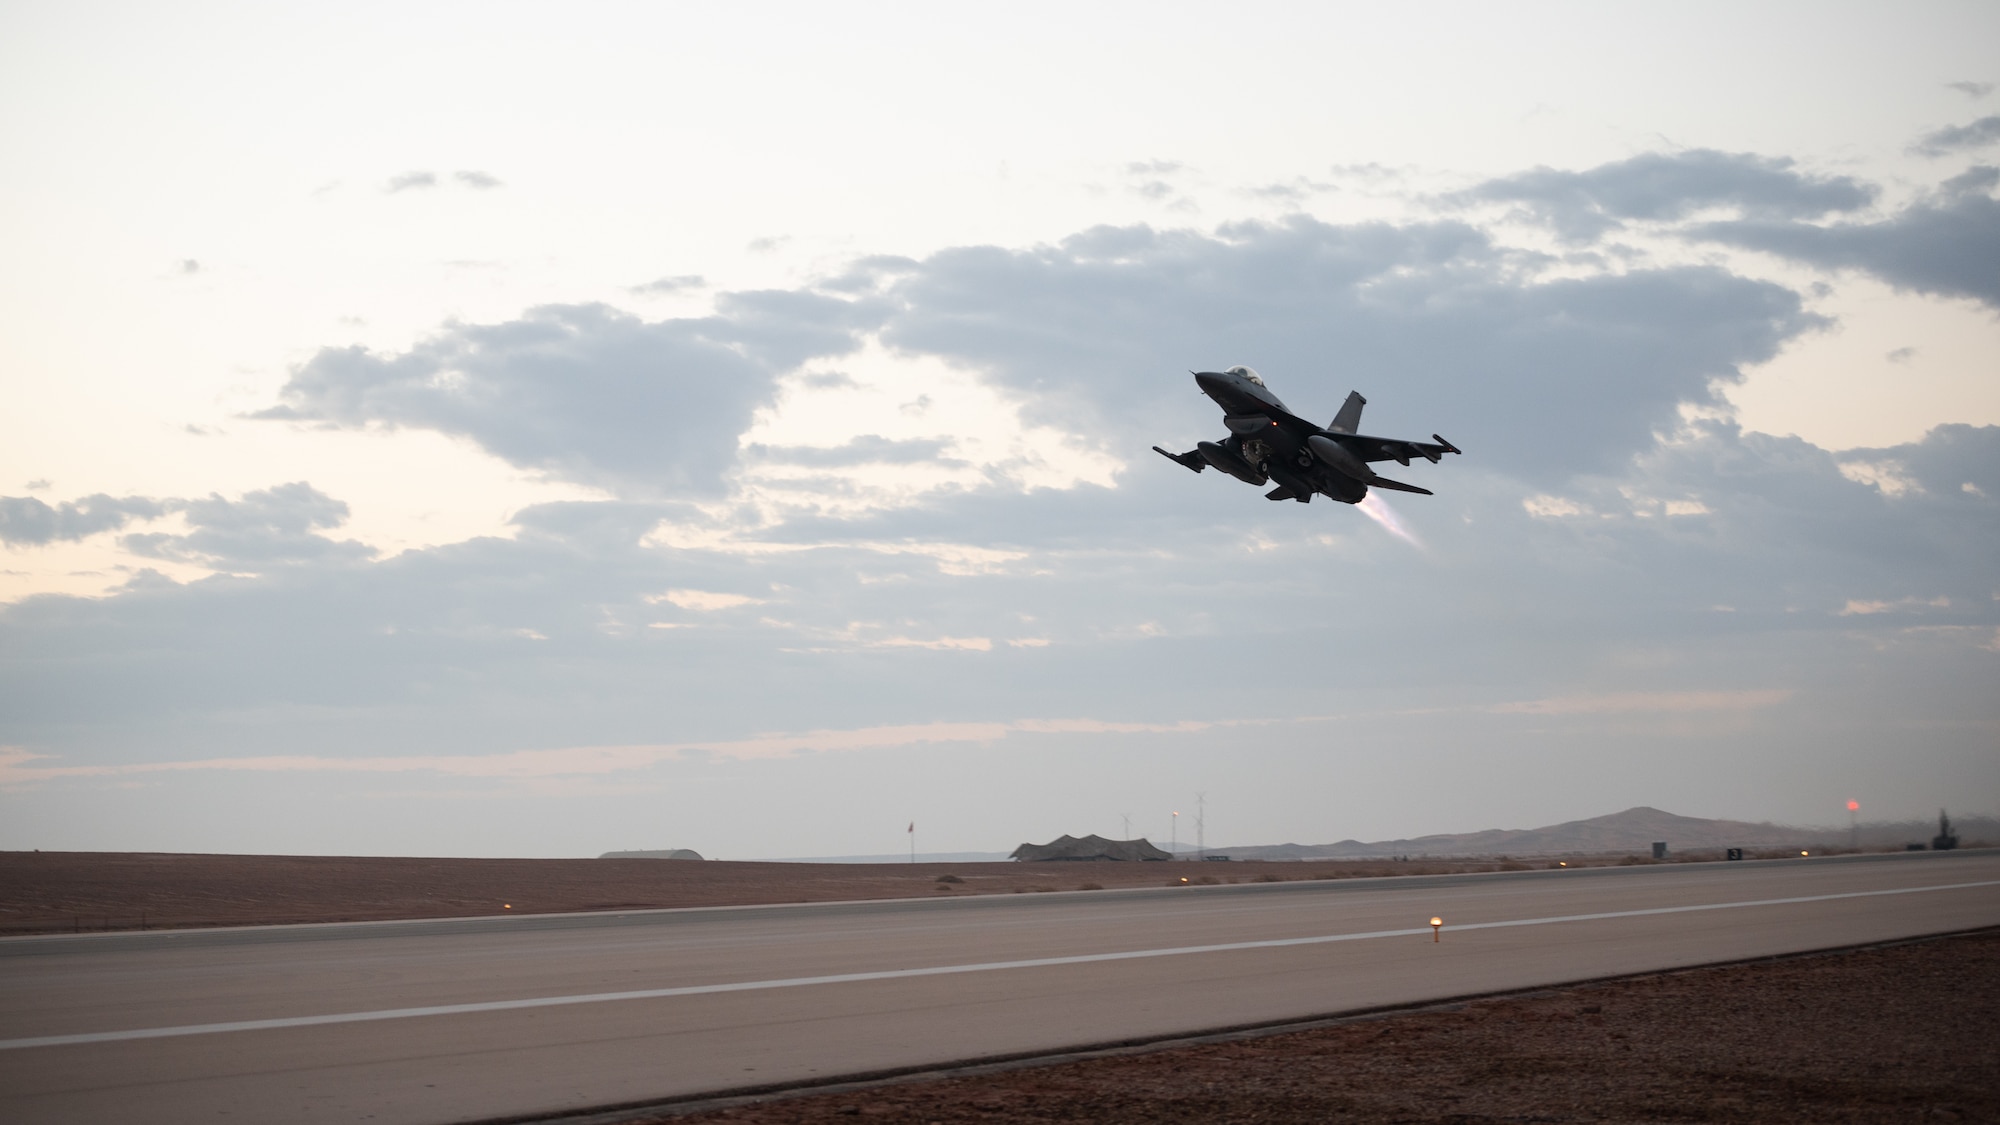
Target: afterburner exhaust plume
(1378, 509)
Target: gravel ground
(1905, 1033)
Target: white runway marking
(900, 974)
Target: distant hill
(1633, 830)
(898, 857)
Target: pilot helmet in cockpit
(1239, 369)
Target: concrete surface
(473, 1019)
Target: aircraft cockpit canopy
(1246, 373)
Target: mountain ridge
(1634, 829)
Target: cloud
(189, 266)
(1094, 335)
(868, 449)
(1974, 90)
(666, 285)
(1646, 702)
(1297, 189)
(1947, 457)
(477, 180)
(1171, 600)
(1959, 138)
(1665, 187)
(410, 181)
(269, 527)
(1152, 168)
(1861, 607)
(1154, 600)
(828, 380)
(585, 392)
(18, 767)
(1946, 243)
(27, 521)
(706, 601)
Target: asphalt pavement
(478, 1019)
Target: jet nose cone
(1209, 381)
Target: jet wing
(1399, 450)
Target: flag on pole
(913, 828)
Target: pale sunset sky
(536, 430)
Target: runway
(475, 1019)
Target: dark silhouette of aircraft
(1268, 443)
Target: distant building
(1088, 848)
(669, 853)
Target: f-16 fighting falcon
(1268, 443)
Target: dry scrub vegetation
(1905, 1033)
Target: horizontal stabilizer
(1399, 486)
(1192, 461)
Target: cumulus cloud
(1094, 335)
(1959, 138)
(1117, 603)
(586, 393)
(476, 180)
(1574, 557)
(1973, 90)
(1663, 187)
(268, 527)
(1947, 458)
(1946, 243)
(27, 521)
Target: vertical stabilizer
(1348, 421)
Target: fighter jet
(1268, 443)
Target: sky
(539, 430)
